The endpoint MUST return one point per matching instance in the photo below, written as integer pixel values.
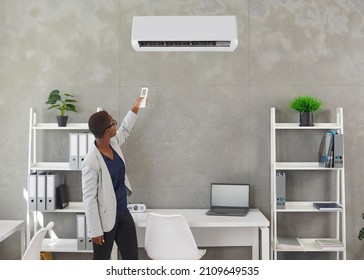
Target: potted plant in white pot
(307, 106)
(62, 104)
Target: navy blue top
(117, 172)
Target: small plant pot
(62, 121)
(306, 119)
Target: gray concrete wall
(208, 116)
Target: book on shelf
(287, 243)
(327, 244)
(328, 206)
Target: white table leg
(255, 244)
(264, 243)
(22, 242)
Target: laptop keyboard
(230, 212)
(222, 210)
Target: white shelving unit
(34, 218)
(308, 244)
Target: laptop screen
(227, 195)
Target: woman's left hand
(136, 105)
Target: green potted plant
(62, 104)
(307, 106)
(361, 232)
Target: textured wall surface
(208, 114)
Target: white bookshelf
(36, 164)
(292, 207)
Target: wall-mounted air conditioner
(184, 33)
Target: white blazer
(99, 200)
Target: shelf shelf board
(309, 245)
(302, 166)
(303, 206)
(54, 126)
(60, 166)
(322, 126)
(72, 207)
(61, 245)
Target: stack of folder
(331, 153)
(79, 145)
(84, 241)
(329, 244)
(42, 190)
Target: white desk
(218, 231)
(8, 227)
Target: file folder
(41, 191)
(90, 140)
(53, 181)
(89, 245)
(281, 190)
(326, 150)
(82, 148)
(32, 192)
(81, 226)
(339, 150)
(73, 150)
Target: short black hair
(98, 123)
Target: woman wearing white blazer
(105, 186)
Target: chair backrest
(169, 237)
(33, 250)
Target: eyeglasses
(114, 122)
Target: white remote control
(144, 94)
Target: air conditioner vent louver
(179, 44)
(184, 33)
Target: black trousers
(124, 234)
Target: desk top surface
(8, 227)
(198, 218)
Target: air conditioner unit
(184, 33)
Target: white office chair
(169, 237)
(33, 250)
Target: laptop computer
(229, 200)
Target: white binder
(81, 234)
(90, 141)
(73, 150)
(281, 190)
(53, 181)
(82, 148)
(32, 192)
(41, 191)
(338, 150)
(89, 245)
